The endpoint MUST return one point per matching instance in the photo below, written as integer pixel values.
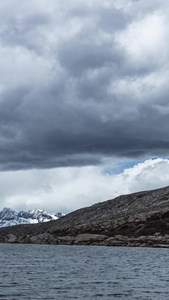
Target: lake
(83, 272)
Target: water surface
(83, 272)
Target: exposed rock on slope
(139, 219)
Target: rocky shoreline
(92, 239)
(135, 220)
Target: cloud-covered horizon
(82, 81)
(67, 189)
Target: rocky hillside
(139, 219)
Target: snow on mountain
(9, 217)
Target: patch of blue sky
(120, 166)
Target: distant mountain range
(9, 217)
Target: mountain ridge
(137, 219)
(9, 217)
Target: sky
(84, 108)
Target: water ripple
(82, 272)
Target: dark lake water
(83, 272)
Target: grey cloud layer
(82, 81)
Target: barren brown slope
(118, 221)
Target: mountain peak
(9, 217)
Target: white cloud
(67, 189)
(29, 67)
(144, 39)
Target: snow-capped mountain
(9, 217)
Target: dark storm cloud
(82, 82)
